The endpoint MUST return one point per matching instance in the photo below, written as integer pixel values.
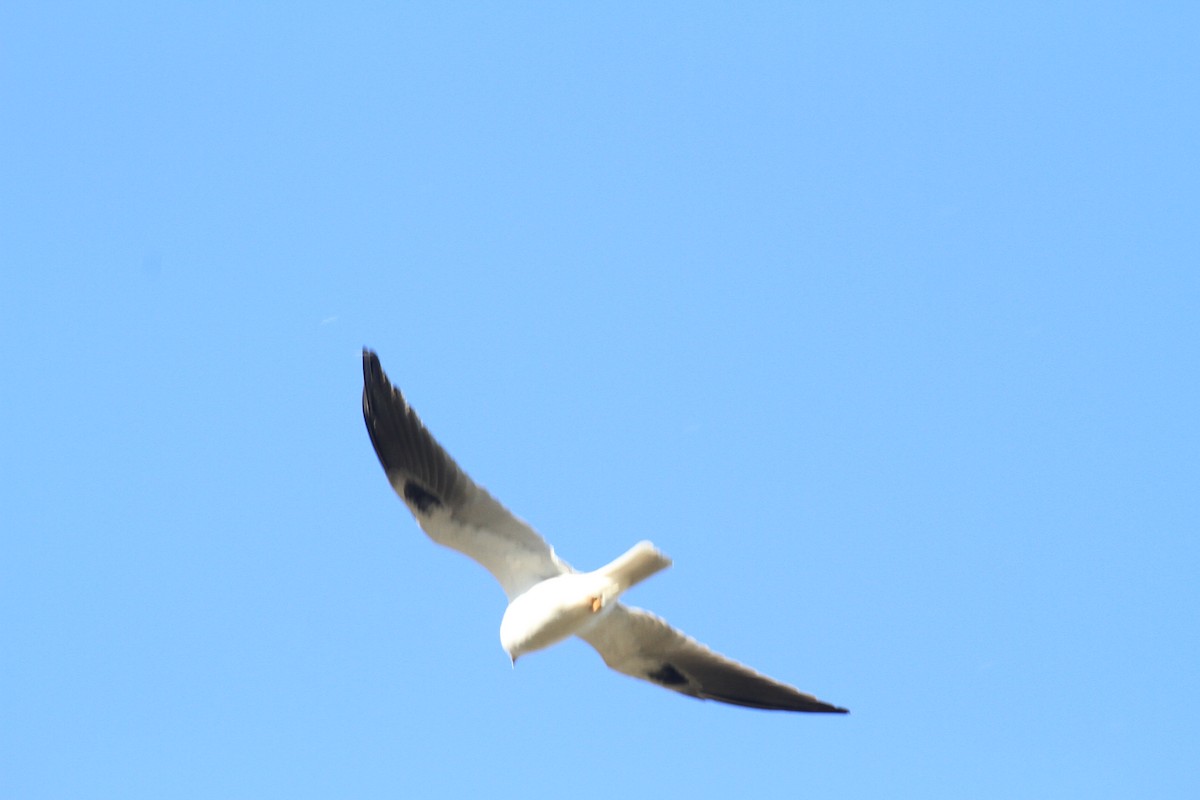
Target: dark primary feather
(416, 465)
(642, 645)
(451, 508)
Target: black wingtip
(376, 386)
(377, 391)
(828, 708)
(820, 707)
(372, 370)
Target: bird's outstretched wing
(640, 644)
(451, 508)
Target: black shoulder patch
(420, 497)
(667, 675)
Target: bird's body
(548, 600)
(573, 603)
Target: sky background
(880, 319)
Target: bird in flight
(548, 601)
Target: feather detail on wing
(644, 646)
(451, 508)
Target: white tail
(640, 562)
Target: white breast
(555, 609)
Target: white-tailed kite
(548, 600)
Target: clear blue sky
(880, 319)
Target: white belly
(555, 609)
